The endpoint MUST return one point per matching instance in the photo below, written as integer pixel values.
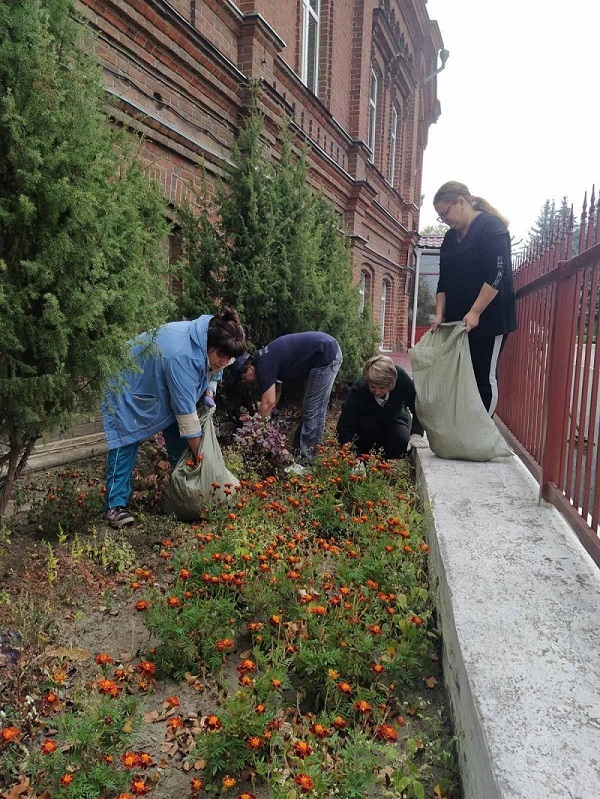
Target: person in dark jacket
(476, 283)
(374, 414)
(313, 356)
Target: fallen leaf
(16, 791)
(431, 682)
(200, 765)
(128, 726)
(151, 717)
(78, 655)
(126, 657)
(163, 763)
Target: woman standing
(476, 284)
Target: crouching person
(175, 370)
(374, 414)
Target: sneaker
(118, 517)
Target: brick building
(353, 76)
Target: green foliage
(81, 228)
(278, 254)
(67, 507)
(90, 739)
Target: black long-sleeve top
(360, 402)
(482, 256)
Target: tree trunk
(18, 455)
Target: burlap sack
(448, 402)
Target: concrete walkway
(519, 609)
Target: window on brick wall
(393, 143)
(385, 296)
(310, 43)
(364, 290)
(373, 113)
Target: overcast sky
(520, 104)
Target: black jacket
(361, 402)
(483, 256)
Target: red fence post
(559, 378)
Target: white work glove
(416, 442)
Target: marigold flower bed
(299, 616)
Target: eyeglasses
(444, 214)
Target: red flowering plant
(262, 442)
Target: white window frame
(393, 143)
(362, 291)
(373, 113)
(307, 12)
(384, 292)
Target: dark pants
(485, 353)
(371, 434)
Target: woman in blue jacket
(175, 367)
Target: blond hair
(380, 371)
(452, 190)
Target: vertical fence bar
(557, 385)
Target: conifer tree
(279, 254)
(81, 230)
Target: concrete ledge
(519, 609)
(65, 450)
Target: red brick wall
(179, 70)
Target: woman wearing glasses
(476, 284)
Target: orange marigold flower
(51, 698)
(254, 743)
(196, 785)
(124, 796)
(276, 683)
(213, 723)
(245, 680)
(103, 659)
(59, 677)
(255, 626)
(146, 760)
(374, 628)
(49, 746)
(139, 787)
(424, 547)
(377, 668)
(246, 665)
(142, 604)
(302, 749)
(246, 795)
(8, 734)
(417, 620)
(372, 584)
(66, 779)
(387, 733)
(184, 574)
(108, 687)
(340, 723)
(260, 709)
(319, 730)
(345, 688)
(333, 674)
(172, 701)
(108, 759)
(228, 782)
(147, 668)
(275, 620)
(130, 759)
(362, 706)
(175, 723)
(174, 602)
(304, 782)
(318, 610)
